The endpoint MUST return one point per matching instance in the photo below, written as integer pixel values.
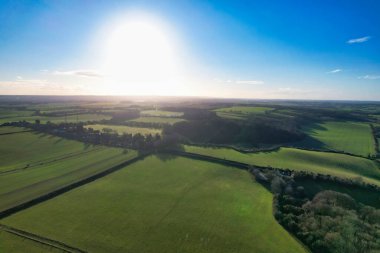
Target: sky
(300, 49)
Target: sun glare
(140, 58)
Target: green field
(9, 129)
(158, 120)
(297, 159)
(59, 119)
(163, 204)
(32, 164)
(161, 113)
(126, 129)
(15, 244)
(11, 113)
(352, 137)
(23, 150)
(240, 112)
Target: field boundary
(278, 147)
(40, 239)
(246, 166)
(67, 188)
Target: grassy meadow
(10, 129)
(47, 163)
(240, 112)
(352, 137)
(161, 113)
(158, 120)
(126, 129)
(13, 243)
(58, 119)
(166, 204)
(297, 159)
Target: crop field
(240, 112)
(158, 120)
(126, 129)
(59, 119)
(160, 113)
(297, 159)
(165, 204)
(47, 163)
(352, 137)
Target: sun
(140, 58)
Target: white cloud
(253, 82)
(335, 71)
(370, 77)
(359, 40)
(81, 72)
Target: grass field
(9, 129)
(166, 204)
(10, 243)
(161, 113)
(60, 119)
(22, 150)
(31, 165)
(297, 159)
(352, 137)
(158, 120)
(240, 112)
(126, 129)
(8, 113)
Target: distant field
(5, 130)
(126, 129)
(297, 159)
(32, 164)
(60, 119)
(8, 113)
(168, 205)
(160, 113)
(158, 120)
(240, 112)
(351, 137)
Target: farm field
(126, 129)
(14, 243)
(176, 204)
(23, 150)
(297, 159)
(352, 137)
(8, 113)
(59, 119)
(161, 113)
(240, 112)
(48, 163)
(158, 120)
(9, 129)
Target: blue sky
(250, 49)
